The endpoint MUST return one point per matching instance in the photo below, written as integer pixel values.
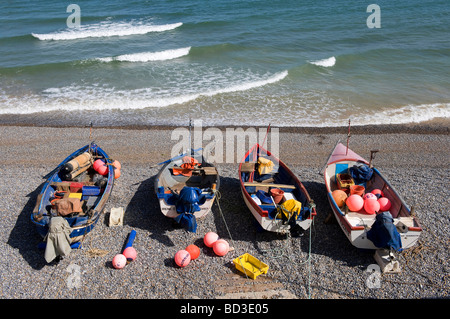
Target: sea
(287, 63)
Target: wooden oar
(269, 185)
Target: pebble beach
(321, 264)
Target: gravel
(416, 165)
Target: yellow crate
(251, 266)
(75, 195)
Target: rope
(218, 196)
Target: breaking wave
(106, 29)
(325, 62)
(77, 98)
(148, 56)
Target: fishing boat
(391, 226)
(75, 194)
(186, 187)
(273, 194)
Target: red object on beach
(194, 251)
(130, 253)
(119, 261)
(221, 247)
(210, 238)
(182, 258)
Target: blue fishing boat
(75, 193)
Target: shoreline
(435, 126)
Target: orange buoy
(193, 250)
(339, 197)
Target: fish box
(344, 181)
(90, 190)
(251, 266)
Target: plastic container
(75, 195)
(277, 194)
(91, 190)
(251, 266)
(75, 187)
(357, 189)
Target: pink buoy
(101, 167)
(182, 258)
(210, 238)
(378, 193)
(385, 204)
(221, 247)
(370, 196)
(130, 253)
(354, 202)
(119, 261)
(371, 206)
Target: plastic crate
(251, 266)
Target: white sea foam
(149, 56)
(106, 29)
(77, 98)
(325, 62)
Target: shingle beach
(414, 159)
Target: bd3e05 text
(237, 308)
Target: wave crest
(149, 56)
(325, 62)
(106, 29)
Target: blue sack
(187, 203)
(188, 221)
(384, 234)
(361, 173)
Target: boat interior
(258, 185)
(174, 177)
(337, 177)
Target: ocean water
(226, 62)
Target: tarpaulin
(384, 234)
